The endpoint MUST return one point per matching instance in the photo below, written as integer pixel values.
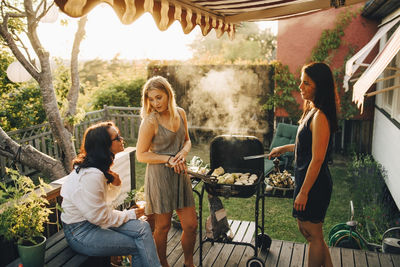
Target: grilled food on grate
(236, 178)
(281, 179)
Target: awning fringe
(164, 13)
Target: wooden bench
(58, 253)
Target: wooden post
(106, 115)
(132, 156)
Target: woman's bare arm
(147, 131)
(279, 150)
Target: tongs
(211, 179)
(206, 178)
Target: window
(388, 96)
(396, 114)
(390, 99)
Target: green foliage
(285, 84)
(347, 108)
(331, 38)
(129, 200)
(329, 42)
(132, 197)
(62, 82)
(98, 76)
(124, 94)
(21, 103)
(366, 178)
(23, 209)
(6, 86)
(99, 73)
(21, 107)
(250, 43)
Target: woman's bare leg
(318, 252)
(188, 218)
(162, 226)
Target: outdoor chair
(285, 134)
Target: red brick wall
(298, 36)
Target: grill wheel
(255, 262)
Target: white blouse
(87, 196)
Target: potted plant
(23, 212)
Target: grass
(279, 223)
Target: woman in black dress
(313, 180)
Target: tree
(18, 19)
(250, 44)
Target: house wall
(385, 150)
(386, 129)
(298, 36)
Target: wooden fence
(40, 137)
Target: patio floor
(281, 253)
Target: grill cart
(227, 151)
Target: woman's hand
(276, 152)
(180, 157)
(117, 180)
(179, 166)
(301, 201)
(139, 212)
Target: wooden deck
(281, 253)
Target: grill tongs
(205, 178)
(210, 179)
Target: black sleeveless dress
(320, 193)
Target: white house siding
(386, 150)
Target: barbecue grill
(227, 151)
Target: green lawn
(279, 223)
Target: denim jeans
(132, 238)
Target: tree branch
(13, 7)
(8, 38)
(73, 93)
(30, 157)
(45, 10)
(32, 23)
(19, 40)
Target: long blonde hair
(160, 83)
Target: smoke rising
(224, 100)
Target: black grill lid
(228, 151)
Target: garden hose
(336, 228)
(347, 239)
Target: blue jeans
(132, 238)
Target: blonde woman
(164, 140)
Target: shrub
(122, 94)
(23, 209)
(21, 108)
(373, 208)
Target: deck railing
(127, 120)
(40, 137)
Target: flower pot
(33, 255)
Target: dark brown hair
(95, 149)
(326, 97)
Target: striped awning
(377, 66)
(221, 15)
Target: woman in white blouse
(91, 226)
